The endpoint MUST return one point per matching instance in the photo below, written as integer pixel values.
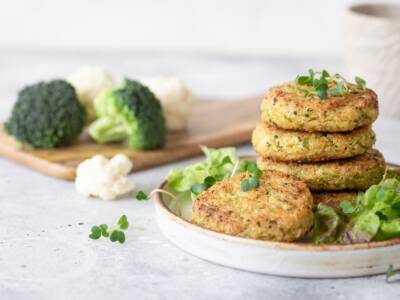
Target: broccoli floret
(46, 115)
(129, 113)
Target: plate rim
(159, 203)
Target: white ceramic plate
(276, 258)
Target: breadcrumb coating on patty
(280, 209)
(287, 109)
(357, 173)
(286, 145)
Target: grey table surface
(45, 252)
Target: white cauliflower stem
(88, 83)
(176, 100)
(103, 178)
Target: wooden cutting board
(213, 123)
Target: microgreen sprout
(123, 222)
(115, 234)
(360, 82)
(198, 188)
(143, 196)
(245, 185)
(323, 84)
(253, 181)
(243, 165)
(252, 167)
(390, 273)
(140, 196)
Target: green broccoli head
(129, 113)
(46, 115)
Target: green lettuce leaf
(377, 213)
(390, 229)
(328, 225)
(219, 163)
(365, 227)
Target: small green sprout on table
(114, 234)
(140, 196)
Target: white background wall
(294, 27)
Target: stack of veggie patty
(327, 143)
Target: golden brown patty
(357, 173)
(284, 107)
(280, 209)
(286, 145)
(333, 199)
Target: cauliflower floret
(177, 101)
(88, 83)
(103, 178)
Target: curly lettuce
(219, 163)
(376, 213)
(328, 225)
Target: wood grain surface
(213, 123)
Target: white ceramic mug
(372, 51)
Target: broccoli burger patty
(357, 173)
(280, 209)
(284, 107)
(285, 145)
